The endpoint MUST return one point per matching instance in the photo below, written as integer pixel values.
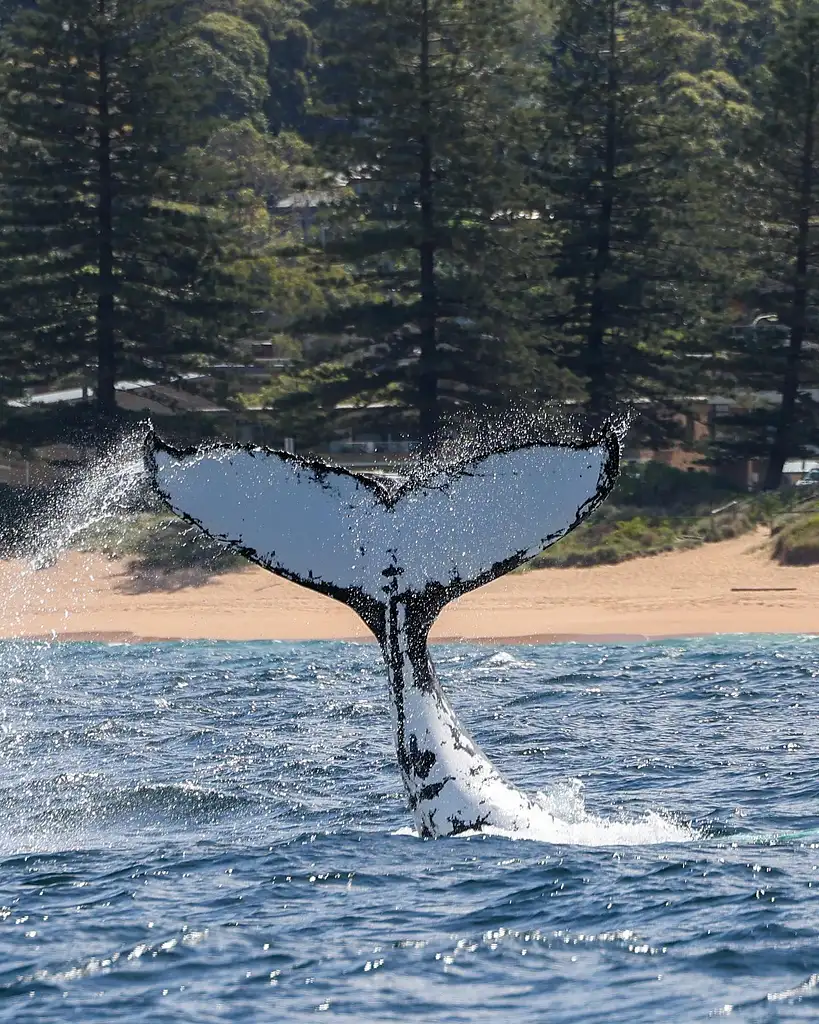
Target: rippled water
(215, 832)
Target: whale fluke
(396, 555)
(356, 539)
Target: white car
(810, 479)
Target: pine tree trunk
(428, 365)
(106, 339)
(595, 368)
(783, 438)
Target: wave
(56, 814)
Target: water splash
(504, 660)
(567, 820)
(474, 434)
(564, 820)
(105, 488)
(98, 493)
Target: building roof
(800, 465)
(163, 399)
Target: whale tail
(366, 542)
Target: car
(810, 479)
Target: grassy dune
(655, 509)
(796, 542)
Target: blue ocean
(216, 832)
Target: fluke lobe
(396, 555)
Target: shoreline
(729, 587)
(113, 637)
(121, 639)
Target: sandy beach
(729, 587)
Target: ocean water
(215, 832)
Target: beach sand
(727, 587)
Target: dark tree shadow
(165, 553)
(142, 579)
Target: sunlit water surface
(215, 832)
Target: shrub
(798, 543)
(655, 485)
(616, 534)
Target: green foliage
(637, 111)
(504, 202)
(655, 485)
(246, 157)
(430, 132)
(620, 533)
(798, 542)
(777, 170)
(301, 403)
(230, 55)
(109, 257)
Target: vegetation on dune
(618, 533)
(797, 542)
(655, 509)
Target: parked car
(810, 479)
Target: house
(795, 470)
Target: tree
(742, 28)
(781, 178)
(427, 120)
(105, 260)
(636, 129)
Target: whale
(397, 552)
